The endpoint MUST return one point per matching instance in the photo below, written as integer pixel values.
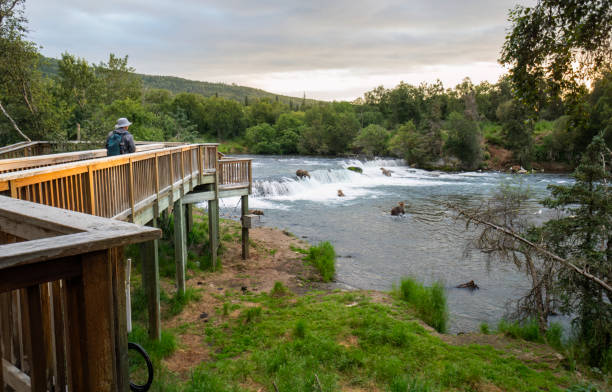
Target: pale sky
(327, 49)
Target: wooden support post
(120, 320)
(149, 258)
(189, 221)
(180, 246)
(36, 340)
(91, 325)
(213, 230)
(245, 230)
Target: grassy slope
(349, 341)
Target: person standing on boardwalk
(120, 141)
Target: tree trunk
(14, 124)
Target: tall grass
(429, 302)
(323, 258)
(530, 331)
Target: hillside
(49, 67)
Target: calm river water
(375, 249)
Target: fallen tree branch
(539, 249)
(14, 124)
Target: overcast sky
(327, 49)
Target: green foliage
(464, 140)
(409, 144)
(555, 45)
(528, 330)
(584, 225)
(323, 258)
(484, 328)
(330, 129)
(177, 303)
(372, 140)
(279, 290)
(299, 331)
(262, 139)
(429, 302)
(157, 350)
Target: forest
(468, 126)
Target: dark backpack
(114, 144)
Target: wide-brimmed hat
(122, 122)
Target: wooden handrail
(120, 186)
(62, 291)
(24, 163)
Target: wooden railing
(28, 149)
(25, 163)
(62, 299)
(120, 186)
(235, 172)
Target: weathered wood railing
(118, 187)
(28, 149)
(62, 298)
(235, 172)
(33, 162)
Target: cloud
(254, 41)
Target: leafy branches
(562, 41)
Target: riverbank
(269, 324)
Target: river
(375, 249)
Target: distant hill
(49, 67)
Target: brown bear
(386, 172)
(302, 173)
(340, 193)
(398, 209)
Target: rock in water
(469, 285)
(355, 169)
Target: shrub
(484, 328)
(279, 290)
(300, 329)
(429, 302)
(323, 258)
(177, 303)
(527, 330)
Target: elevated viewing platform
(64, 219)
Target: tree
(584, 233)
(25, 101)
(409, 144)
(372, 140)
(118, 80)
(517, 130)
(558, 44)
(262, 139)
(464, 140)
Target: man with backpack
(120, 141)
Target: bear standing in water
(302, 173)
(398, 209)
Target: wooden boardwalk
(136, 188)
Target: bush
(279, 290)
(527, 330)
(484, 328)
(323, 258)
(429, 302)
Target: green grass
(429, 302)
(323, 258)
(529, 330)
(492, 133)
(279, 290)
(177, 303)
(288, 343)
